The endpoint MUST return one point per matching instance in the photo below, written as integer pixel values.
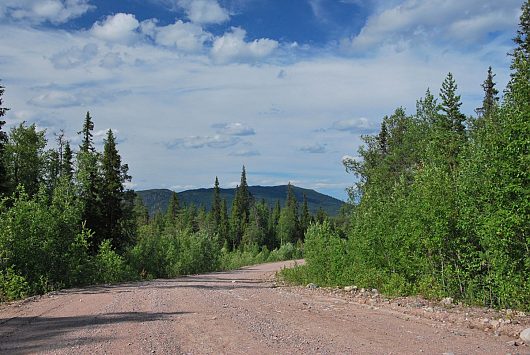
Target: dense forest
(443, 199)
(66, 219)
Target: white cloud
(232, 46)
(354, 125)
(55, 99)
(183, 36)
(234, 129)
(415, 21)
(196, 142)
(204, 11)
(38, 11)
(316, 148)
(111, 60)
(245, 153)
(74, 56)
(116, 28)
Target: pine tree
(453, 120)
(89, 182)
(4, 182)
(522, 39)
(112, 194)
(87, 144)
(382, 140)
(216, 206)
(67, 166)
(427, 109)
(173, 208)
(491, 98)
(245, 198)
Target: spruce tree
(87, 144)
(216, 206)
(4, 185)
(453, 120)
(491, 97)
(89, 183)
(173, 208)
(522, 39)
(382, 140)
(67, 166)
(112, 194)
(427, 109)
(245, 198)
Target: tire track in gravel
(235, 312)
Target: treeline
(443, 199)
(67, 219)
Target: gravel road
(235, 312)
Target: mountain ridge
(157, 199)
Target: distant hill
(158, 199)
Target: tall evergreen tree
(245, 198)
(491, 97)
(112, 194)
(382, 139)
(522, 39)
(453, 120)
(4, 188)
(89, 183)
(67, 166)
(173, 208)
(427, 109)
(216, 206)
(87, 144)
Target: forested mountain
(158, 199)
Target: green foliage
(25, 158)
(109, 266)
(439, 210)
(12, 286)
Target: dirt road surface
(236, 312)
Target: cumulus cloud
(74, 56)
(39, 11)
(204, 11)
(354, 125)
(447, 20)
(196, 142)
(234, 129)
(232, 46)
(316, 148)
(116, 28)
(185, 36)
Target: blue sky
(197, 88)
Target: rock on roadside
(525, 336)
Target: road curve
(235, 312)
